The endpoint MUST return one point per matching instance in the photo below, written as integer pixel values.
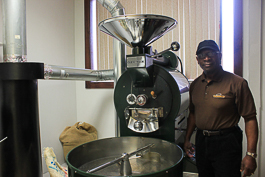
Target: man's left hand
(248, 166)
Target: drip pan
(162, 159)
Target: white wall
(50, 39)
(55, 33)
(253, 65)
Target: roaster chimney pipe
(14, 31)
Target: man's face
(209, 60)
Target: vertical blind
(198, 20)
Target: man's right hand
(189, 149)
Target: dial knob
(141, 99)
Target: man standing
(217, 101)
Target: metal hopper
(137, 30)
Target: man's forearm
(251, 129)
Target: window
(227, 33)
(232, 36)
(192, 17)
(89, 54)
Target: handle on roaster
(175, 46)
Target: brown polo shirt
(220, 103)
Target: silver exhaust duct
(119, 49)
(14, 30)
(15, 42)
(113, 6)
(53, 72)
(119, 54)
(67, 73)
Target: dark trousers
(219, 155)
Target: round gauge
(131, 99)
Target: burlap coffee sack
(75, 135)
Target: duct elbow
(113, 6)
(117, 10)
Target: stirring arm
(124, 155)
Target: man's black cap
(207, 44)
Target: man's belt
(217, 132)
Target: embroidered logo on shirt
(219, 95)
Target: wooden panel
(87, 35)
(88, 60)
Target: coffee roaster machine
(150, 97)
(148, 94)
